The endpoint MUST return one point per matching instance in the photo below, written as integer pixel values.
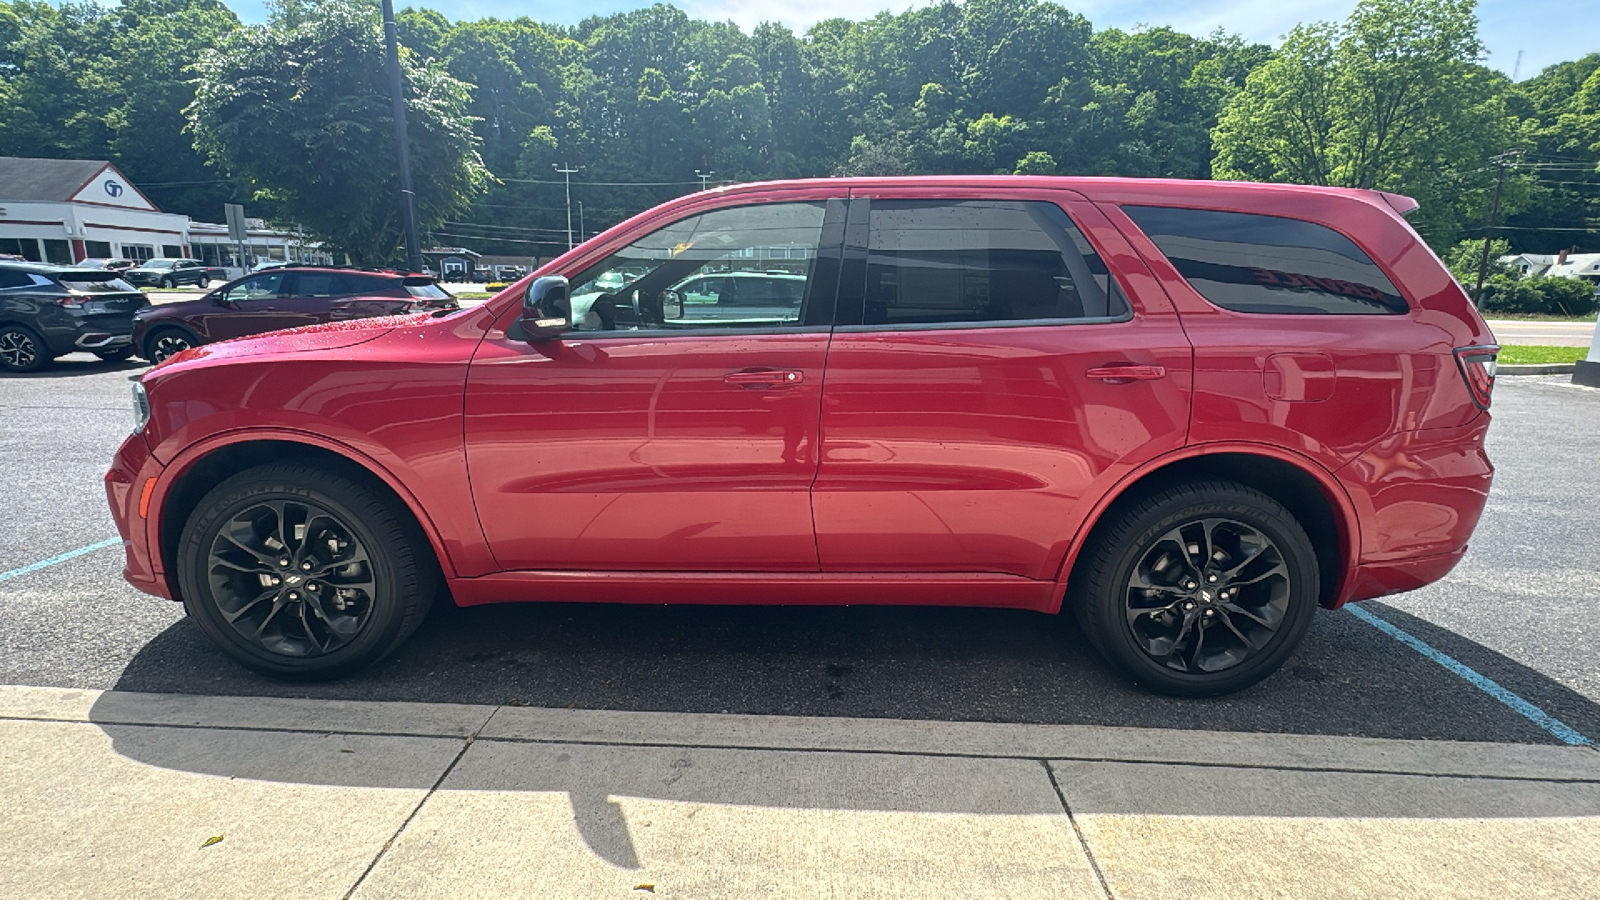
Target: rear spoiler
(1403, 205)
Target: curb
(1535, 369)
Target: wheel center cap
(292, 579)
(1205, 596)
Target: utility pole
(703, 176)
(391, 40)
(568, 171)
(1488, 231)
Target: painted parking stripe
(58, 558)
(1563, 732)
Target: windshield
(99, 286)
(159, 264)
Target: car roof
(34, 267)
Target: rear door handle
(1126, 372)
(764, 378)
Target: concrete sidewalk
(118, 794)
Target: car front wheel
(22, 349)
(303, 574)
(166, 342)
(1198, 590)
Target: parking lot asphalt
(1519, 612)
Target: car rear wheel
(165, 342)
(22, 349)
(204, 282)
(303, 574)
(1198, 590)
(121, 354)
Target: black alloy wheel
(1198, 590)
(303, 574)
(204, 282)
(21, 349)
(165, 343)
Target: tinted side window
(1268, 264)
(10, 278)
(318, 284)
(259, 287)
(366, 284)
(689, 274)
(958, 261)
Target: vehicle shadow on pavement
(75, 365)
(953, 665)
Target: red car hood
(331, 336)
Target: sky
(1543, 31)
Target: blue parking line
(1561, 730)
(60, 557)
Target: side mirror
(547, 308)
(216, 298)
(671, 304)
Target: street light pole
(568, 172)
(704, 177)
(581, 231)
(391, 40)
(1488, 232)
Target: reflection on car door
(969, 415)
(637, 447)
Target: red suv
(1190, 412)
(283, 297)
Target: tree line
(292, 117)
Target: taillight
(70, 302)
(1477, 369)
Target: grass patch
(471, 295)
(1535, 354)
(1534, 317)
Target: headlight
(141, 407)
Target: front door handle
(1122, 373)
(765, 378)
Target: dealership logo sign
(112, 188)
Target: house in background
(1565, 264)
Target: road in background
(1550, 334)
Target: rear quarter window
(1253, 263)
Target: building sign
(112, 188)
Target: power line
(612, 183)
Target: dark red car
(1190, 412)
(282, 297)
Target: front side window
(955, 262)
(693, 273)
(1268, 264)
(259, 287)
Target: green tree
(300, 109)
(1392, 99)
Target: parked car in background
(167, 272)
(1186, 413)
(116, 264)
(283, 297)
(49, 311)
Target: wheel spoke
(266, 560)
(1279, 569)
(249, 605)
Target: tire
(22, 349)
(121, 354)
(168, 284)
(1146, 602)
(289, 620)
(165, 342)
(203, 283)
